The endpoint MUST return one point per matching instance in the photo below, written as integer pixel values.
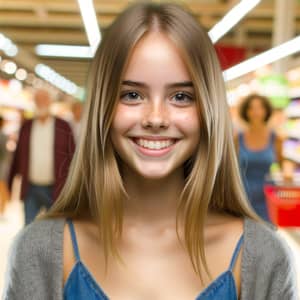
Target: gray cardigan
(35, 268)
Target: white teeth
(155, 145)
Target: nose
(156, 115)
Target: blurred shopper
(44, 151)
(77, 108)
(4, 164)
(258, 147)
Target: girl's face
(256, 111)
(156, 126)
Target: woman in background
(258, 147)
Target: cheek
(189, 122)
(125, 118)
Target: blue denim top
(254, 166)
(81, 285)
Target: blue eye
(130, 96)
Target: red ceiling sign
(230, 55)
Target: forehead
(156, 58)
(256, 102)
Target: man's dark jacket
(64, 147)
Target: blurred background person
(77, 108)
(43, 154)
(258, 147)
(4, 164)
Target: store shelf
(292, 156)
(295, 136)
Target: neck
(257, 126)
(152, 200)
(43, 118)
(77, 119)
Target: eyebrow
(170, 85)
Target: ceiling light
(21, 74)
(267, 57)
(15, 85)
(231, 18)
(10, 67)
(64, 51)
(6, 45)
(56, 79)
(11, 50)
(90, 21)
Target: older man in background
(42, 157)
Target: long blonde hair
(94, 187)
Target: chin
(153, 176)
(154, 173)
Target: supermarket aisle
(13, 220)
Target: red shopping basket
(283, 205)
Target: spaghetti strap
(74, 240)
(236, 252)
(272, 137)
(241, 138)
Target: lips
(154, 144)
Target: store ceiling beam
(28, 36)
(62, 6)
(21, 19)
(19, 23)
(113, 8)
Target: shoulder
(63, 128)
(39, 235)
(238, 135)
(3, 137)
(42, 239)
(276, 138)
(61, 123)
(262, 239)
(26, 125)
(27, 122)
(35, 260)
(267, 264)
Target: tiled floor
(13, 219)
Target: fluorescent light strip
(267, 57)
(6, 45)
(64, 51)
(231, 18)
(56, 79)
(90, 21)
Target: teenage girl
(153, 207)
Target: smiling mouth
(154, 144)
